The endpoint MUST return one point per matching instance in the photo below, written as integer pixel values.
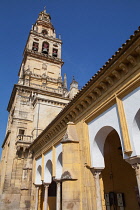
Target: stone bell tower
(36, 99)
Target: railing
(24, 138)
(49, 37)
(44, 55)
(49, 89)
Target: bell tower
(36, 100)
(42, 61)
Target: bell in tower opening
(55, 52)
(35, 46)
(45, 47)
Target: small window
(35, 46)
(44, 32)
(21, 132)
(55, 51)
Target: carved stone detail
(123, 67)
(116, 74)
(97, 90)
(136, 166)
(79, 107)
(88, 100)
(138, 49)
(83, 104)
(103, 85)
(109, 80)
(73, 114)
(132, 60)
(93, 96)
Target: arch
(45, 47)
(35, 46)
(136, 132)
(98, 146)
(38, 175)
(55, 52)
(115, 174)
(59, 166)
(48, 172)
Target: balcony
(44, 56)
(24, 138)
(49, 89)
(23, 142)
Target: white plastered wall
(38, 167)
(58, 156)
(48, 167)
(131, 106)
(99, 129)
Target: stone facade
(88, 155)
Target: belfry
(69, 149)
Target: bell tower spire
(43, 54)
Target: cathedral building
(68, 149)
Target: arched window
(55, 52)
(35, 46)
(45, 47)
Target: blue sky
(91, 31)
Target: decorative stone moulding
(103, 86)
(116, 74)
(98, 91)
(109, 80)
(93, 96)
(124, 67)
(78, 109)
(137, 50)
(73, 115)
(88, 99)
(132, 60)
(84, 104)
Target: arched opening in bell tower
(45, 47)
(119, 179)
(35, 46)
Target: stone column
(36, 198)
(46, 196)
(96, 173)
(58, 194)
(136, 166)
(135, 163)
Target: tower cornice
(45, 24)
(30, 90)
(46, 36)
(42, 56)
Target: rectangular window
(21, 132)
